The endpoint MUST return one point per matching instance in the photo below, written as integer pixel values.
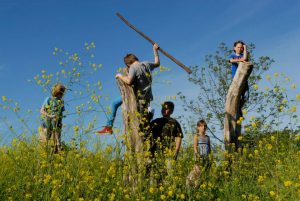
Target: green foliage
(213, 80)
(268, 171)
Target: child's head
(238, 47)
(201, 126)
(58, 90)
(130, 59)
(167, 108)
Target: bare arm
(245, 55)
(178, 141)
(244, 58)
(195, 144)
(156, 57)
(46, 114)
(125, 78)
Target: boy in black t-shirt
(165, 132)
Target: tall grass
(268, 171)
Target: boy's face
(239, 48)
(166, 111)
(202, 128)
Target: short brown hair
(58, 89)
(129, 59)
(202, 122)
(170, 105)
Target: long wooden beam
(188, 70)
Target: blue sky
(188, 30)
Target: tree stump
(232, 107)
(133, 139)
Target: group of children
(163, 133)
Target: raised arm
(156, 56)
(244, 58)
(245, 54)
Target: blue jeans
(114, 108)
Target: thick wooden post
(232, 107)
(133, 140)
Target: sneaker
(106, 130)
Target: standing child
(202, 149)
(201, 142)
(51, 117)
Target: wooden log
(232, 106)
(188, 70)
(133, 139)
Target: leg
(142, 107)
(57, 136)
(111, 117)
(114, 108)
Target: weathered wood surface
(133, 140)
(232, 106)
(188, 70)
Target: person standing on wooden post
(240, 55)
(140, 78)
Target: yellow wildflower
(273, 138)
(151, 190)
(293, 109)
(161, 188)
(288, 183)
(255, 87)
(76, 128)
(269, 146)
(4, 98)
(260, 179)
(272, 193)
(162, 197)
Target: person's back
(141, 72)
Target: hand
(118, 75)
(51, 116)
(155, 47)
(245, 47)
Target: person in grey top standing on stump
(140, 78)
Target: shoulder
(174, 121)
(47, 100)
(233, 56)
(157, 120)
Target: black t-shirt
(163, 132)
